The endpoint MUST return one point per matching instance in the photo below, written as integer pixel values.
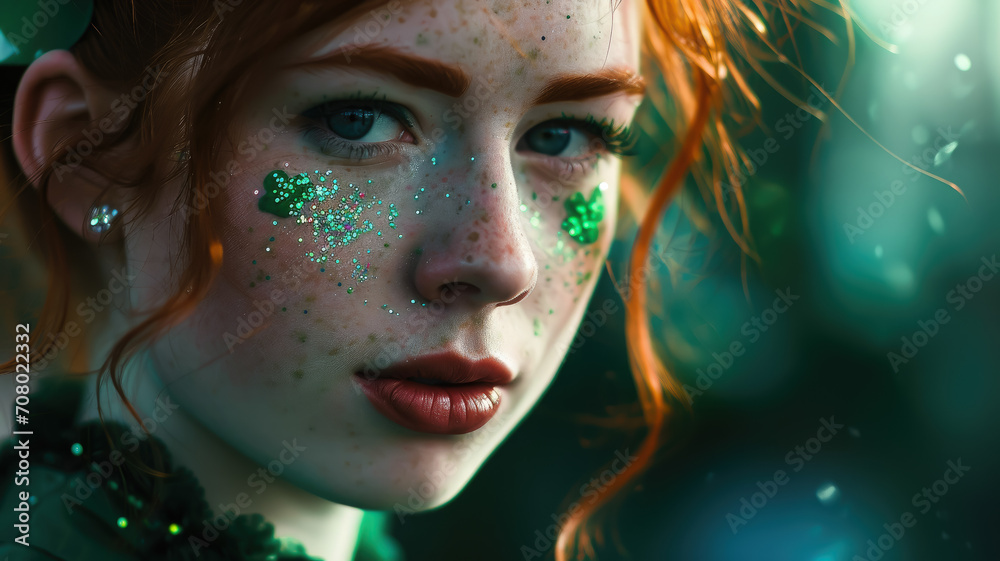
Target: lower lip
(457, 409)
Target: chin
(405, 495)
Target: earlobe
(55, 125)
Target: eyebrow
(576, 87)
(408, 68)
(452, 81)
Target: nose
(478, 253)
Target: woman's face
(402, 275)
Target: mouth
(443, 393)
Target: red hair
(698, 47)
(701, 49)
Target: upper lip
(450, 368)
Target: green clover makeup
(583, 216)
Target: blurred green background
(892, 332)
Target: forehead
(529, 39)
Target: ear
(59, 101)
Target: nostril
(457, 288)
(515, 299)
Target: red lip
(467, 399)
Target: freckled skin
(294, 376)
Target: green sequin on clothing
(88, 504)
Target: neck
(231, 480)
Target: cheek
(572, 232)
(332, 230)
(310, 260)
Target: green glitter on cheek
(335, 213)
(583, 217)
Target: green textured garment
(84, 502)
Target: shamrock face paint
(338, 214)
(583, 216)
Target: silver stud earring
(101, 217)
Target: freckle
(468, 258)
(371, 337)
(473, 236)
(334, 351)
(298, 374)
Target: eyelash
(618, 140)
(349, 149)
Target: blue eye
(561, 138)
(573, 138)
(549, 138)
(364, 122)
(359, 130)
(351, 123)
